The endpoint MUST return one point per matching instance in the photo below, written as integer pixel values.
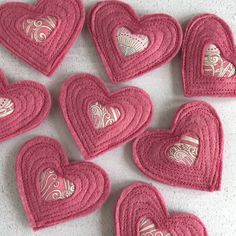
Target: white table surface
(217, 210)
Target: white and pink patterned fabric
(129, 43)
(147, 228)
(53, 187)
(185, 151)
(39, 30)
(6, 107)
(103, 116)
(215, 65)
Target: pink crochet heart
(209, 58)
(130, 45)
(187, 155)
(23, 106)
(141, 211)
(100, 120)
(53, 190)
(41, 35)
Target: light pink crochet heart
(23, 106)
(187, 155)
(209, 58)
(141, 211)
(100, 120)
(41, 35)
(130, 45)
(53, 190)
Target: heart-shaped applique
(187, 155)
(23, 106)
(209, 58)
(100, 120)
(41, 34)
(130, 45)
(70, 189)
(141, 211)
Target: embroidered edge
(126, 191)
(62, 100)
(216, 185)
(109, 72)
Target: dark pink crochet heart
(202, 31)
(88, 185)
(23, 106)
(100, 120)
(41, 35)
(187, 155)
(163, 33)
(142, 201)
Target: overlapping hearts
(85, 185)
(130, 45)
(23, 106)
(209, 32)
(141, 211)
(41, 35)
(100, 120)
(187, 155)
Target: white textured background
(217, 210)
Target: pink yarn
(163, 31)
(201, 31)
(131, 105)
(151, 151)
(92, 185)
(23, 106)
(142, 200)
(64, 28)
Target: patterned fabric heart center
(6, 107)
(215, 65)
(129, 43)
(39, 30)
(53, 187)
(103, 116)
(185, 151)
(147, 228)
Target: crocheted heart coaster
(23, 106)
(130, 45)
(187, 155)
(41, 34)
(53, 190)
(100, 120)
(209, 58)
(141, 211)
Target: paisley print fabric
(129, 43)
(215, 65)
(147, 228)
(39, 30)
(6, 107)
(103, 116)
(53, 187)
(185, 151)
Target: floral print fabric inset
(6, 107)
(103, 116)
(39, 30)
(53, 187)
(215, 65)
(147, 228)
(185, 151)
(129, 43)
